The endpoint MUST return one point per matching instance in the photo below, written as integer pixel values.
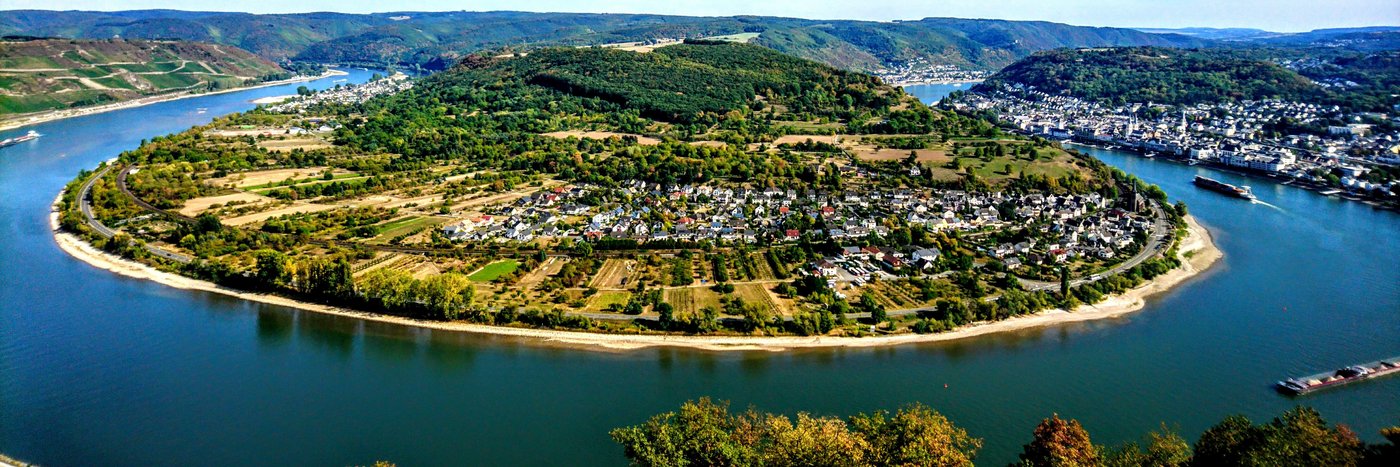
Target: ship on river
(32, 135)
(1226, 188)
(1351, 374)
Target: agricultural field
(607, 301)
(494, 270)
(615, 273)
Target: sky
(1273, 15)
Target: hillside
(39, 75)
(435, 40)
(1165, 76)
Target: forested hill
(61, 73)
(1159, 75)
(714, 97)
(435, 40)
(682, 83)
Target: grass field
(410, 224)
(691, 299)
(757, 294)
(494, 270)
(603, 300)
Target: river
(97, 369)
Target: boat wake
(1265, 203)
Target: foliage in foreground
(705, 432)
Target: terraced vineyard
(50, 74)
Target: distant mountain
(1158, 75)
(62, 73)
(1373, 38)
(435, 40)
(1218, 34)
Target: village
(1061, 228)
(921, 71)
(1237, 135)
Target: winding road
(1158, 242)
(85, 205)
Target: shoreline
(938, 82)
(1198, 243)
(54, 115)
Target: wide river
(97, 369)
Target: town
(1249, 136)
(346, 94)
(1059, 228)
(921, 71)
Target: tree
(1165, 448)
(700, 433)
(272, 269)
(1064, 282)
(1299, 437)
(1060, 443)
(707, 433)
(869, 304)
(916, 435)
(667, 320)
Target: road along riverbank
(49, 116)
(1197, 253)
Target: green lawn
(494, 270)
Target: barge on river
(1351, 374)
(1226, 188)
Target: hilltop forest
(1193, 76)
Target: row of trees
(705, 432)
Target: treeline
(705, 432)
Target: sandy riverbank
(1197, 251)
(52, 115)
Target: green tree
(1165, 448)
(272, 268)
(869, 304)
(1299, 437)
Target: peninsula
(705, 194)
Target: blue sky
(1275, 15)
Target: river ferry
(32, 135)
(1226, 188)
(1351, 374)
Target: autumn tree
(1060, 443)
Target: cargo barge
(1351, 374)
(19, 139)
(1226, 188)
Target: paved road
(85, 204)
(1157, 243)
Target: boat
(1226, 188)
(201, 110)
(32, 135)
(1351, 374)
